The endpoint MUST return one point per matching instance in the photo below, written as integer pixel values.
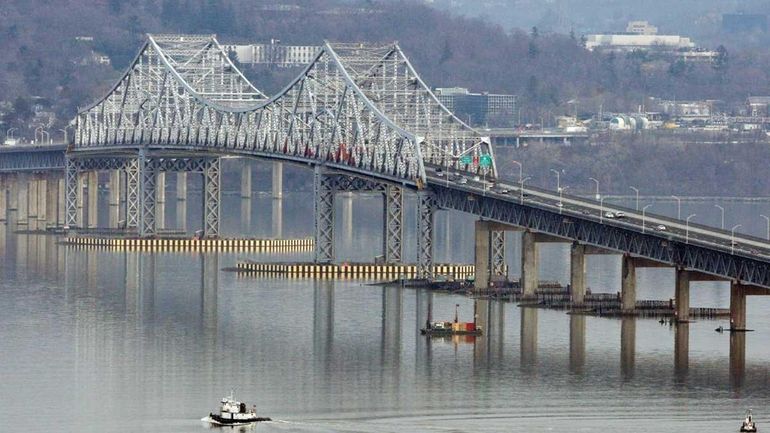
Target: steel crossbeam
(212, 178)
(426, 209)
(323, 189)
(393, 219)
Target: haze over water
(102, 341)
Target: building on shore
(478, 108)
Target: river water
(101, 341)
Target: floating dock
(351, 271)
(188, 244)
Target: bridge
(362, 119)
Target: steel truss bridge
(362, 118)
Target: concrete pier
(12, 186)
(93, 199)
(114, 198)
(52, 199)
(737, 306)
(61, 209)
(22, 197)
(246, 190)
(530, 264)
(682, 295)
(32, 202)
(3, 199)
(577, 273)
(482, 250)
(160, 200)
(181, 200)
(277, 218)
(628, 283)
(42, 206)
(278, 180)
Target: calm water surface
(98, 341)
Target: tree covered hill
(49, 58)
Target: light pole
(561, 205)
(767, 218)
(687, 229)
(644, 210)
(678, 207)
(723, 216)
(521, 189)
(9, 133)
(521, 168)
(601, 209)
(732, 238)
(597, 187)
(637, 197)
(558, 180)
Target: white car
(476, 178)
(462, 181)
(660, 228)
(609, 214)
(620, 214)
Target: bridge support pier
(737, 306)
(52, 200)
(93, 199)
(160, 201)
(114, 198)
(32, 202)
(3, 199)
(682, 295)
(323, 203)
(132, 194)
(181, 200)
(426, 210)
(212, 178)
(42, 205)
(22, 189)
(277, 180)
(482, 254)
(13, 195)
(628, 284)
(246, 191)
(530, 265)
(577, 280)
(148, 178)
(393, 217)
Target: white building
(638, 42)
(641, 28)
(274, 53)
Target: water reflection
(627, 347)
(577, 343)
(681, 350)
(529, 339)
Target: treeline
(550, 72)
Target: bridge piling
(181, 200)
(482, 254)
(3, 199)
(682, 295)
(12, 185)
(92, 177)
(42, 205)
(628, 284)
(52, 199)
(22, 184)
(114, 198)
(160, 201)
(577, 273)
(212, 179)
(426, 210)
(277, 180)
(737, 307)
(530, 265)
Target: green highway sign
(485, 161)
(466, 159)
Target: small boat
(748, 424)
(233, 413)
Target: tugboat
(233, 413)
(748, 424)
(443, 329)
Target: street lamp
(637, 197)
(723, 215)
(558, 181)
(520, 168)
(767, 218)
(732, 238)
(597, 187)
(561, 205)
(9, 133)
(687, 229)
(644, 210)
(521, 188)
(678, 207)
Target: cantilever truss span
(356, 107)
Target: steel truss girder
(323, 193)
(132, 193)
(393, 219)
(426, 209)
(19, 159)
(497, 249)
(212, 178)
(348, 183)
(745, 270)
